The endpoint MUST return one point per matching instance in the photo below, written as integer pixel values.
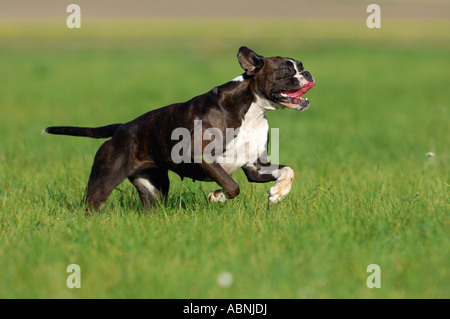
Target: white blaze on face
(298, 75)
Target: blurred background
(365, 190)
(413, 9)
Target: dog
(146, 148)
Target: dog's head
(280, 80)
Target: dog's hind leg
(152, 185)
(108, 171)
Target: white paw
(217, 196)
(283, 186)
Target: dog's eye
(286, 70)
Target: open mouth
(293, 98)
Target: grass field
(365, 192)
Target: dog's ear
(250, 61)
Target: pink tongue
(300, 92)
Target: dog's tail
(94, 132)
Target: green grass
(364, 193)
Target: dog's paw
(217, 196)
(283, 186)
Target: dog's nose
(307, 76)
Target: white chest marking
(250, 141)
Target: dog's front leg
(263, 173)
(230, 188)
